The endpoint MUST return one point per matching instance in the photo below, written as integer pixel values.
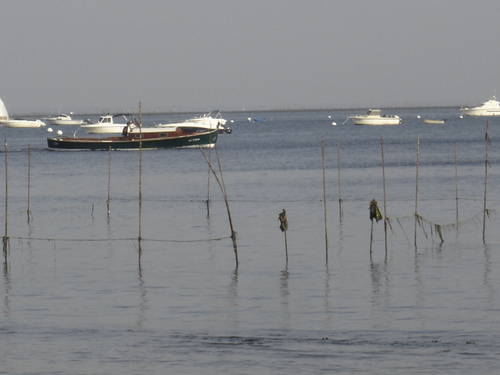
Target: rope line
(114, 239)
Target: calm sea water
(81, 295)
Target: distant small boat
(434, 121)
(375, 117)
(64, 119)
(488, 108)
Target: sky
(99, 56)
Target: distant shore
(198, 113)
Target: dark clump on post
(374, 214)
(283, 221)
(374, 211)
(284, 227)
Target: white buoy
(461, 116)
(418, 116)
(329, 116)
(59, 132)
(49, 130)
(334, 123)
(250, 119)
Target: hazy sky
(109, 55)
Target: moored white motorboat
(64, 119)
(107, 125)
(207, 119)
(488, 108)
(375, 117)
(205, 122)
(6, 121)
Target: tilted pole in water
(226, 200)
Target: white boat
(375, 117)
(4, 115)
(207, 119)
(6, 121)
(22, 123)
(434, 121)
(205, 122)
(488, 108)
(64, 119)
(107, 125)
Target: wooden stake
(140, 193)
(456, 182)
(324, 199)
(208, 185)
(140, 113)
(371, 239)
(109, 180)
(374, 214)
(385, 200)
(29, 182)
(416, 191)
(140, 177)
(6, 237)
(284, 228)
(486, 165)
(338, 172)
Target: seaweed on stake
(374, 214)
(284, 227)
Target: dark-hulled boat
(138, 138)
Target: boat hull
(207, 139)
(22, 123)
(481, 112)
(488, 108)
(427, 121)
(382, 121)
(66, 122)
